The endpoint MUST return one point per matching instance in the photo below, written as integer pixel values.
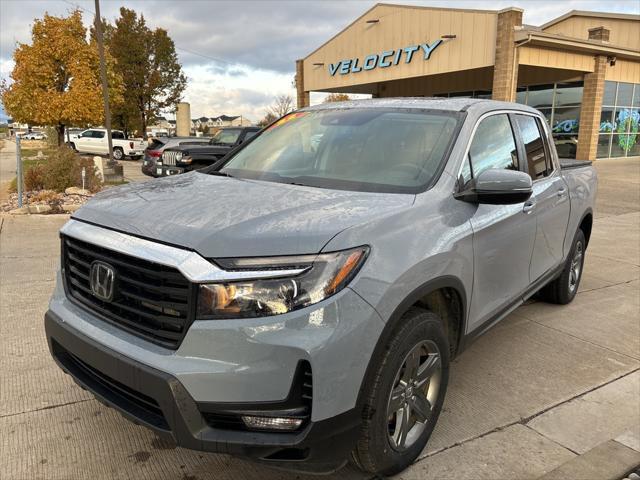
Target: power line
(208, 57)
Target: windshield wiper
(218, 173)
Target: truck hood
(230, 217)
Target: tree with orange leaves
(56, 80)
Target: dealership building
(581, 70)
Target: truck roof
(458, 104)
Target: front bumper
(149, 166)
(168, 170)
(159, 401)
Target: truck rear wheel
(403, 400)
(118, 153)
(563, 289)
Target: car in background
(33, 136)
(158, 145)
(71, 134)
(185, 158)
(94, 140)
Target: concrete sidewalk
(547, 386)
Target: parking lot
(547, 387)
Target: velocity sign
(384, 59)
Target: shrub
(46, 196)
(63, 169)
(34, 177)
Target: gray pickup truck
(300, 303)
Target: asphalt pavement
(543, 393)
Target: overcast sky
(239, 54)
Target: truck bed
(568, 163)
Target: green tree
(55, 80)
(148, 64)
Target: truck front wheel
(563, 289)
(403, 401)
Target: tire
(73, 146)
(380, 448)
(118, 153)
(563, 289)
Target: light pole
(103, 77)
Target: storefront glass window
(625, 92)
(604, 144)
(560, 104)
(566, 120)
(568, 94)
(620, 119)
(609, 97)
(540, 96)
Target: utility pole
(19, 170)
(103, 77)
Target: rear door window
(537, 158)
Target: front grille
(169, 157)
(150, 300)
(135, 403)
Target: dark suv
(158, 145)
(184, 158)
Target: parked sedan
(34, 136)
(158, 145)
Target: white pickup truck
(94, 140)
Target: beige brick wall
(505, 73)
(302, 96)
(591, 110)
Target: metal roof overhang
(559, 42)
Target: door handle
(562, 192)
(529, 205)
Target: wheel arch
(428, 295)
(586, 225)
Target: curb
(43, 209)
(608, 461)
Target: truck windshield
(225, 137)
(363, 149)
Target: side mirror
(498, 187)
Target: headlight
(178, 156)
(325, 275)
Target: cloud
(224, 44)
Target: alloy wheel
(413, 396)
(576, 267)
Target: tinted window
(493, 146)
(226, 136)
(366, 149)
(155, 144)
(533, 145)
(117, 135)
(97, 134)
(249, 134)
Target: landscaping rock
(39, 208)
(54, 202)
(19, 211)
(70, 207)
(76, 191)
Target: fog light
(271, 423)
